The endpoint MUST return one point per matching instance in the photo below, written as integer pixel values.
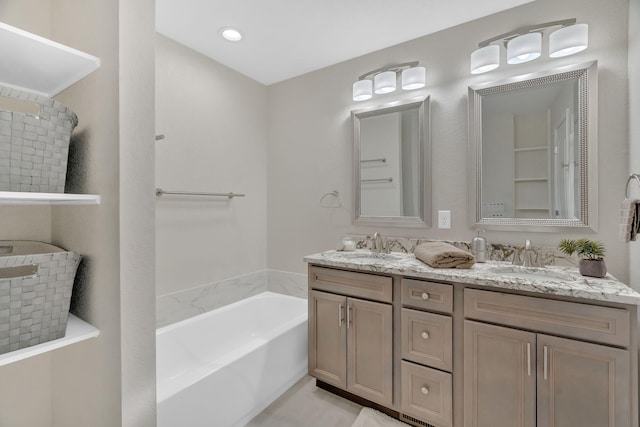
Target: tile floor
(305, 405)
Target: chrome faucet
(527, 256)
(379, 245)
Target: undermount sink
(370, 256)
(534, 273)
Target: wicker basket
(34, 149)
(36, 280)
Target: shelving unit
(23, 198)
(77, 331)
(37, 64)
(528, 161)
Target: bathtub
(221, 368)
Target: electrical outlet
(444, 219)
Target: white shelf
(24, 198)
(530, 179)
(77, 330)
(40, 65)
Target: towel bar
(160, 192)
(631, 178)
(376, 180)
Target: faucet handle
(516, 257)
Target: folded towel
(629, 219)
(443, 255)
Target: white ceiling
(287, 38)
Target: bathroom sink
(533, 273)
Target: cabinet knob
(424, 390)
(425, 335)
(425, 295)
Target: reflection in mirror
(534, 150)
(391, 164)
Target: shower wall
(215, 125)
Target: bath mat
(371, 418)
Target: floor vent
(415, 421)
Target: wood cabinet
(450, 355)
(582, 384)
(520, 378)
(499, 376)
(351, 339)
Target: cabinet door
(499, 376)
(327, 338)
(370, 349)
(582, 384)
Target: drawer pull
(545, 362)
(425, 335)
(425, 295)
(424, 390)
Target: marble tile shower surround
(496, 251)
(177, 306)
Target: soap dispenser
(479, 248)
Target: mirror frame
(587, 134)
(424, 149)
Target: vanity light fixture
(384, 80)
(525, 44)
(231, 34)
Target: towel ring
(336, 195)
(631, 178)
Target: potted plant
(591, 254)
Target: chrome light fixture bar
(525, 44)
(384, 80)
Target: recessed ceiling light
(231, 34)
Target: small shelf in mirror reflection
(530, 179)
(383, 160)
(521, 150)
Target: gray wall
(108, 381)
(215, 123)
(310, 132)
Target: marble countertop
(552, 280)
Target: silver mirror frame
(587, 76)
(424, 149)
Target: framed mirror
(533, 151)
(391, 167)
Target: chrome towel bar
(161, 192)
(370, 181)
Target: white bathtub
(222, 368)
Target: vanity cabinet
(447, 354)
(527, 378)
(427, 351)
(350, 338)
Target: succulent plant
(584, 248)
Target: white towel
(629, 219)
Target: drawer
(574, 320)
(427, 295)
(427, 338)
(363, 285)
(426, 394)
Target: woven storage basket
(36, 280)
(34, 149)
